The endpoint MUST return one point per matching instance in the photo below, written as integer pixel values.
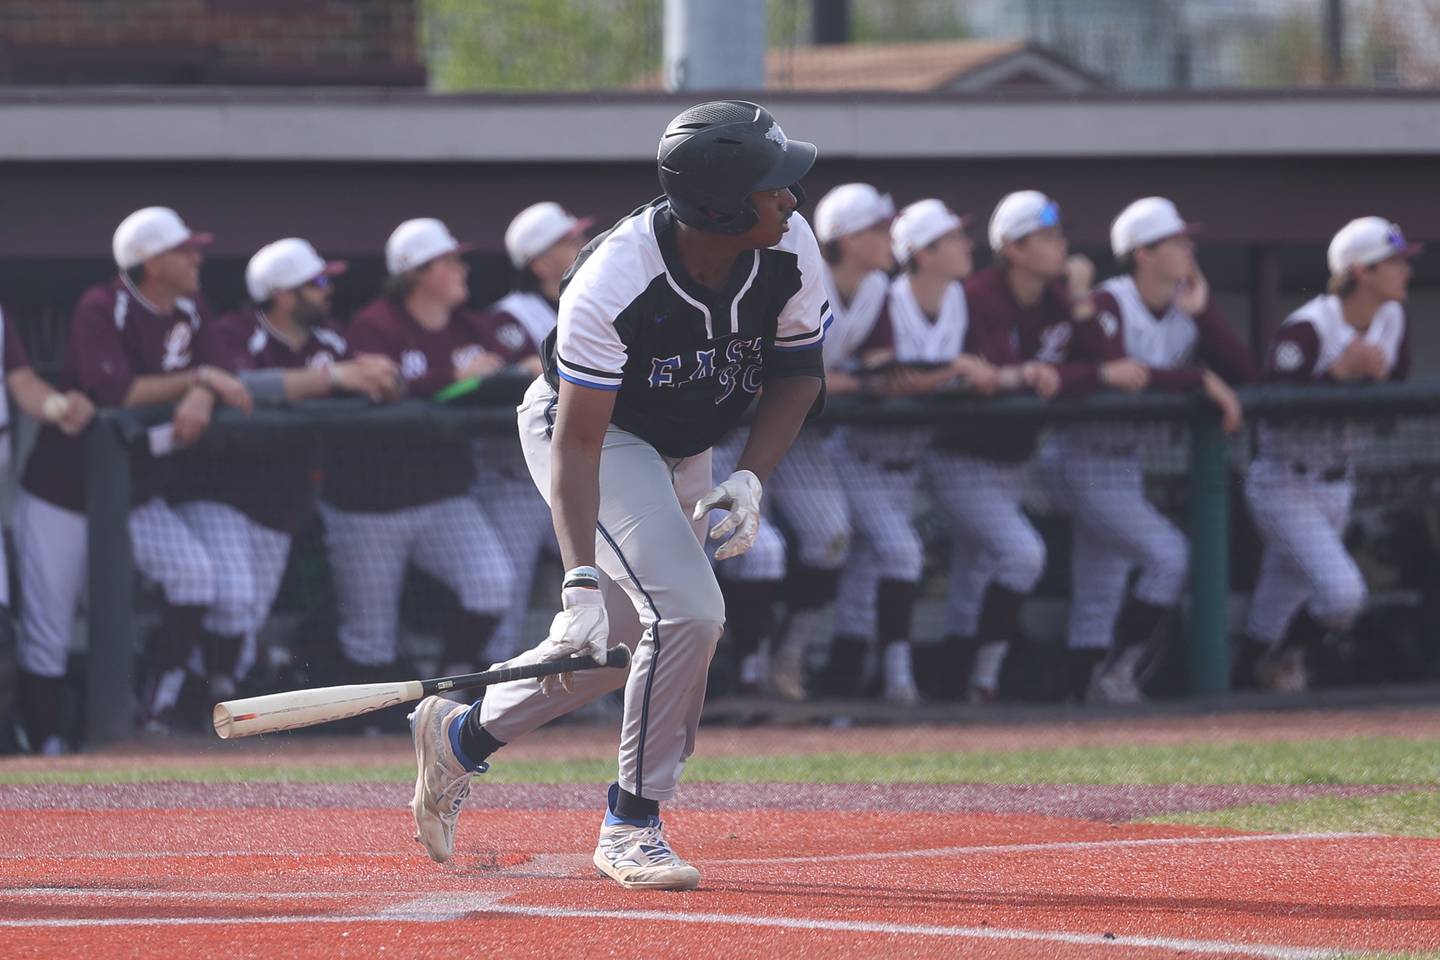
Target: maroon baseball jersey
(1313, 337)
(405, 471)
(1006, 333)
(1306, 347)
(270, 485)
(517, 324)
(1170, 343)
(116, 335)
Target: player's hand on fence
(1232, 417)
(482, 365)
(371, 374)
(76, 414)
(192, 415)
(978, 373)
(1194, 293)
(1128, 375)
(1041, 378)
(740, 495)
(227, 388)
(899, 382)
(580, 629)
(1361, 360)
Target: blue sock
(616, 801)
(455, 727)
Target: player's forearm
(582, 417)
(783, 406)
(575, 500)
(158, 388)
(30, 392)
(309, 383)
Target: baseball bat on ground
(274, 712)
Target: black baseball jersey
(687, 361)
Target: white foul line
(431, 908)
(924, 930)
(448, 907)
(543, 863)
(1045, 847)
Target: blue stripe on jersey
(815, 338)
(612, 387)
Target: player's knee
(826, 544)
(703, 605)
(194, 582)
(766, 559)
(1165, 573)
(901, 557)
(1023, 565)
(493, 592)
(1341, 597)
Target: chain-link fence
(1137, 552)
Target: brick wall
(373, 42)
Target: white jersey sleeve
(802, 323)
(588, 347)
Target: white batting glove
(581, 628)
(740, 495)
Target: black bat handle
(618, 657)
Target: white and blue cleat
(442, 781)
(638, 857)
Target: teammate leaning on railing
(405, 499)
(1158, 314)
(852, 225)
(70, 411)
(1302, 481)
(927, 341)
(244, 506)
(132, 344)
(541, 242)
(975, 474)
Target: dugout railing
(1204, 479)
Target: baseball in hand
(56, 405)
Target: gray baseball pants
(647, 546)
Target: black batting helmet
(714, 155)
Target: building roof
(924, 67)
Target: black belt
(1329, 475)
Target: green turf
(1342, 761)
(1413, 814)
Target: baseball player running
(243, 507)
(852, 224)
(1019, 306)
(542, 242)
(1159, 314)
(132, 344)
(1301, 483)
(70, 411)
(409, 498)
(920, 338)
(670, 324)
